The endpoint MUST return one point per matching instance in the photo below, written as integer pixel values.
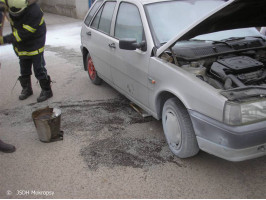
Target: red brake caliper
(91, 69)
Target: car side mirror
(131, 44)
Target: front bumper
(233, 143)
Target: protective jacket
(29, 32)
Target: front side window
(128, 23)
(92, 12)
(103, 19)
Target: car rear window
(92, 12)
(103, 19)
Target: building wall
(82, 7)
(70, 8)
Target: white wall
(70, 8)
(82, 7)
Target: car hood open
(232, 14)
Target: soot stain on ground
(94, 116)
(128, 152)
(110, 118)
(116, 149)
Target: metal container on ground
(47, 122)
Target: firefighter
(28, 40)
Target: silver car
(198, 65)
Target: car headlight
(244, 113)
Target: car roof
(150, 1)
(146, 1)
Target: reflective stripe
(42, 20)
(28, 28)
(15, 33)
(31, 53)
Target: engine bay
(225, 65)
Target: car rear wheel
(178, 129)
(95, 79)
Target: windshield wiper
(259, 37)
(233, 38)
(214, 42)
(242, 38)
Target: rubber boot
(46, 90)
(25, 82)
(7, 148)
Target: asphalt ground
(109, 150)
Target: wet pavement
(109, 150)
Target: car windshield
(169, 18)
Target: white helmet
(16, 7)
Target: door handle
(88, 33)
(112, 45)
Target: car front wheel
(95, 79)
(178, 129)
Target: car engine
(238, 71)
(224, 65)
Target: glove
(1, 40)
(8, 39)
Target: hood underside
(231, 15)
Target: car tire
(178, 129)
(95, 79)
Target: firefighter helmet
(16, 7)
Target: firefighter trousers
(38, 64)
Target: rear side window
(103, 18)
(95, 22)
(92, 12)
(128, 23)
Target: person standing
(28, 39)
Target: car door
(130, 68)
(85, 30)
(98, 36)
